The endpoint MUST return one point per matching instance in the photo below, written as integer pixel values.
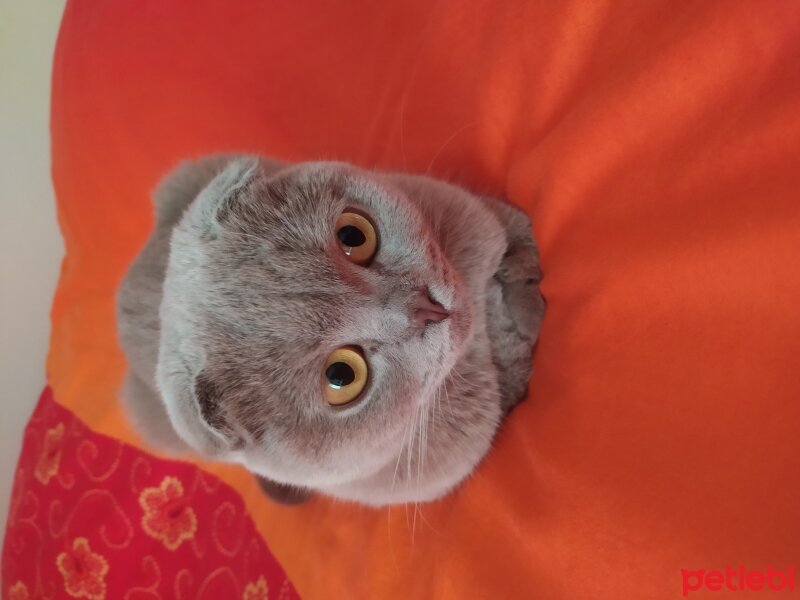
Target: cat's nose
(424, 310)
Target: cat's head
(282, 286)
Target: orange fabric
(656, 145)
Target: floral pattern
(84, 571)
(94, 518)
(257, 590)
(18, 591)
(47, 466)
(167, 514)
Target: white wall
(30, 243)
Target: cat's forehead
(285, 213)
(302, 202)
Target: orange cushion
(656, 146)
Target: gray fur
(241, 292)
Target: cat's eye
(345, 375)
(357, 237)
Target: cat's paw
(515, 306)
(519, 276)
(283, 494)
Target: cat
(336, 330)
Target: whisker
(409, 455)
(447, 142)
(403, 448)
(447, 398)
(420, 459)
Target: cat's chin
(448, 462)
(393, 486)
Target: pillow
(655, 147)
(93, 517)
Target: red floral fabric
(95, 518)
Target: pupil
(339, 375)
(351, 236)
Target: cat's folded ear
(209, 400)
(213, 204)
(195, 408)
(183, 184)
(215, 182)
(208, 396)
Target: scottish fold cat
(335, 330)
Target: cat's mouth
(454, 319)
(456, 310)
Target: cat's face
(260, 292)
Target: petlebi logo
(739, 579)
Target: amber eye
(357, 237)
(345, 375)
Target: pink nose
(424, 310)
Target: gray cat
(335, 330)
